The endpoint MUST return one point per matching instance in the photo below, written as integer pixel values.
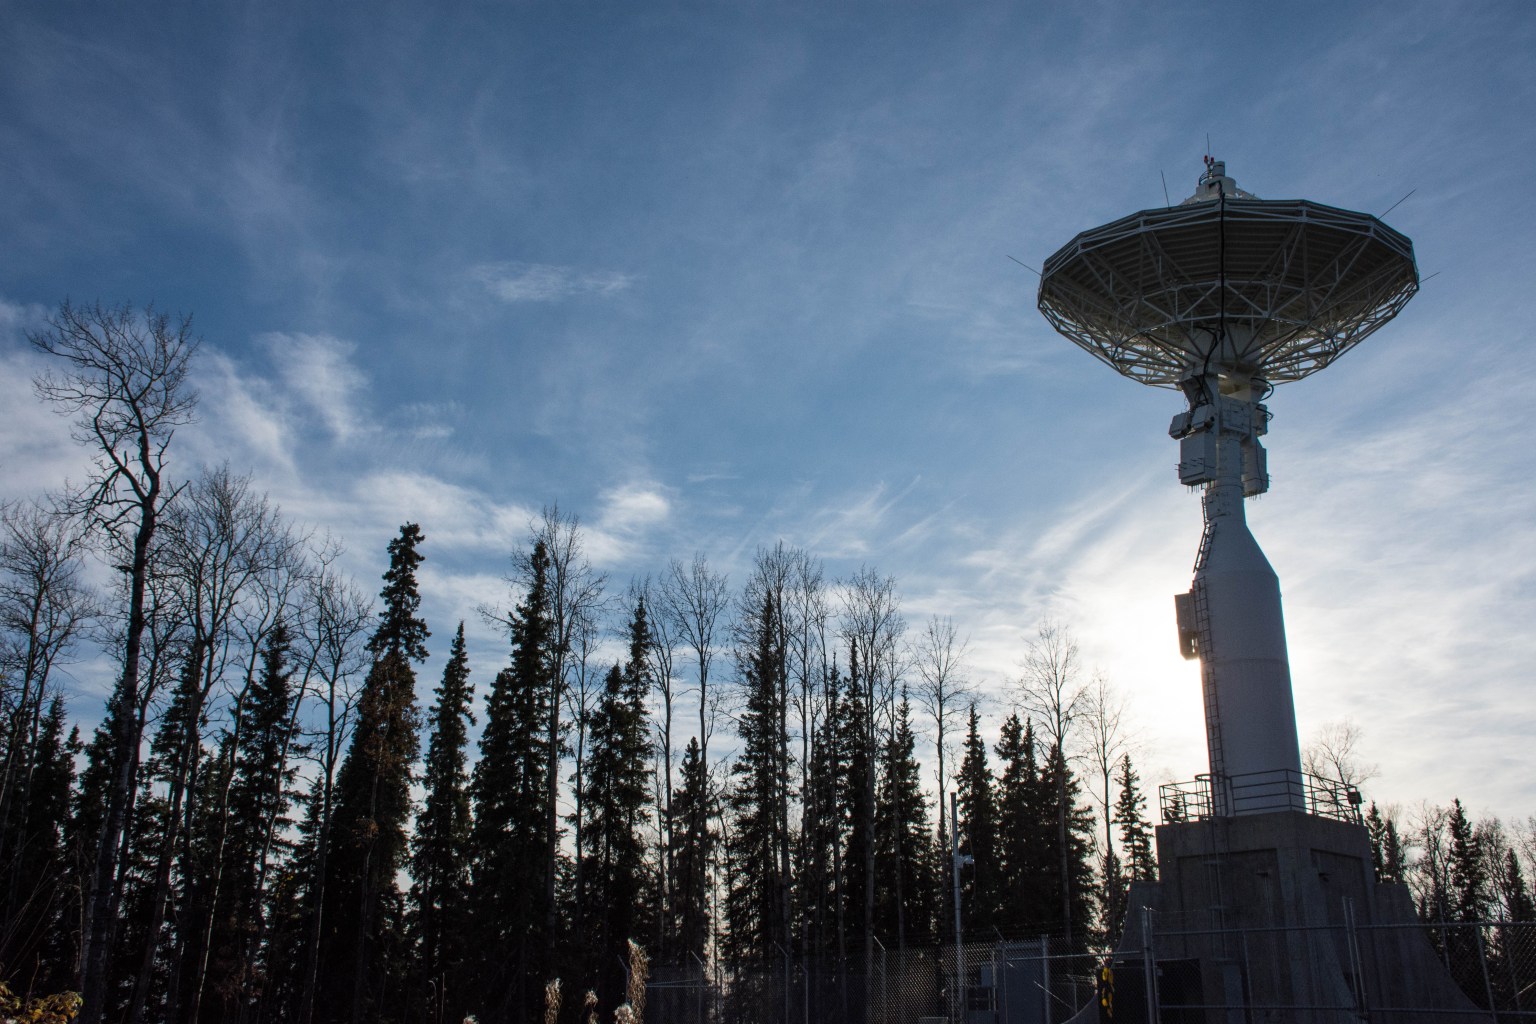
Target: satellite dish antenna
(1223, 297)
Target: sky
(716, 275)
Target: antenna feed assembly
(1221, 430)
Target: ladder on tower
(1202, 608)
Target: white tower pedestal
(1277, 918)
(1231, 618)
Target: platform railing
(1259, 793)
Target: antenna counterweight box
(1189, 630)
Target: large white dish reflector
(1266, 289)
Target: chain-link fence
(1483, 971)
(1002, 982)
(1174, 974)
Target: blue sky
(720, 274)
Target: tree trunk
(317, 919)
(1061, 838)
(102, 912)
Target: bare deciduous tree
(943, 691)
(125, 376)
(873, 626)
(1051, 691)
(1104, 718)
(581, 696)
(660, 656)
(44, 606)
(694, 598)
(1334, 754)
(225, 548)
(334, 629)
(575, 598)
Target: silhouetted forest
(277, 820)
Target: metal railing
(1258, 793)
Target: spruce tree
(441, 850)
(509, 789)
(1387, 854)
(856, 787)
(291, 910)
(692, 844)
(819, 885)
(1519, 903)
(756, 902)
(259, 798)
(1074, 902)
(38, 925)
(981, 882)
(1026, 832)
(617, 801)
(906, 886)
(364, 954)
(1376, 828)
(1133, 861)
(1394, 856)
(87, 815)
(1466, 897)
(1116, 885)
(1511, 953)
(1468, 875)
(1140, 863)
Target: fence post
(1045, 972)
(885, 985)
(1149, 966)
(1482, 960)
(885, 981)
(1509, 962)
(1000, 968)
(698, 998)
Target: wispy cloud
(243, 418)
(850, 528)
(453, 515)
(630, 514)
(546, 282)
(633, 507)
(36, 452)
(318, 370)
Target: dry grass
(639, 974)
(55, 1009)
(552, 1001)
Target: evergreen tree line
(291, 853)
(1458, 870)
(254, 831)
(1462, 872)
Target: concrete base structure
(1278, 917)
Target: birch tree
(125, 375)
